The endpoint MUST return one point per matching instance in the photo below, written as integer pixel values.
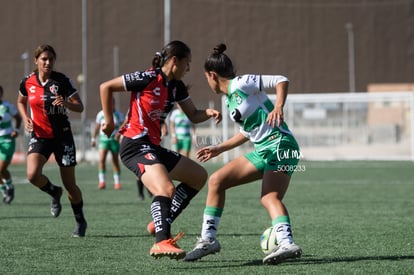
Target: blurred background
(350, 62)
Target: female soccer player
(49, 94)
(108, 144)
(153, 93)
(8, 135)
(182, 131)
(273, 160)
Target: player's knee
(165, 190)
(269, 200)
(215, 182)
(264, 201)
(33, 176)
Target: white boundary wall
(336, 126)
(344, 126)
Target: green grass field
(349, 218)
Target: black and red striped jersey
(152, 98)
(49, 121)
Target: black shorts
(63, 148)
(135, 153)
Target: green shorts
(276, 155)
(183, 144)
(111, 145)
(7, 147)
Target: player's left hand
(207, 153)
(59, 101)
(275, 117)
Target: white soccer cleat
(202, 249)
(282, 252)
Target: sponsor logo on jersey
(155, 115)
(150, 156)
(156, 91)
(236, 115)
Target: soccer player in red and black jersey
(153, 94)
(50, 94)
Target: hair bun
(220, 48)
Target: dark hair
(1, 91)
(174, 48)
(219, 62)
(43, 48)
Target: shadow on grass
(20, 203)
(328, 260)
(112, 236)
(301, 261)
(146, 235)
(227, 235)
(305, 260)
(46, 217)
(90, 203)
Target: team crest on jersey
(54, 89)
(150, 156)
(238, 98)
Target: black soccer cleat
(8, 195)
(55, 206)
(80, 229)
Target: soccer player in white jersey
(108, 144)
(8, 135)
(273, 160)
(182, 130)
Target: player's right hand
(108, 128)
(28, 125)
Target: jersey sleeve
(71, 88)
(270, 81)
(250, 83)
(172, 115)
(244, 133)
(22, 87)
(98, 117)
(137, 81)
(182, 91)
(68, 87)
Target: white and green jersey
(7, 112)
(100, 119)
(182, 123)
(249, 105)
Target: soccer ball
(268, 240)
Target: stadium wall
(304, 40)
